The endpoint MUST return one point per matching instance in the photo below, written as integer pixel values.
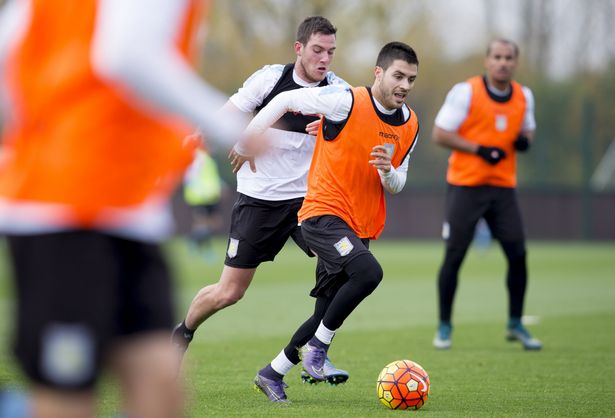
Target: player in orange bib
(485, 121)
(362, 149)
(97, 97)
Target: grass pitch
(570, 306)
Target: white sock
(281, 364)
(324, 334)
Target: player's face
(314, 58)
(501, 63)
(393, 85)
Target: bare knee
(228, 295)
(229, 290)
(232, 286)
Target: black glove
(492, 155)
(522, 143)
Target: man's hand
(246, 149)
(522, 143)
(313, 127)
(193, 141)
(492, 155)
(237, 161)
(382, 159)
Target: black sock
(181, 331)
(269, 373)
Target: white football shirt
(281, 173)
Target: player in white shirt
(271, 187)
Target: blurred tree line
(567, 57)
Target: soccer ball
(403, 384)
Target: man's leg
(333, 375)
(229, 290)
(364, 274)
(464, 207)
(48, 402)
(516, 280)
(63, 283)
(506, 224)
(145, 366)
(268, 379)
(259, 229)
(447, 287)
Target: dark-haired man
(362, 149)
(265, 214)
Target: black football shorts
(78, 292)
(336, 245)
(259, 230)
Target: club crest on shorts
(446, 230)
(233, 245)
(344, 246)
(68, 354)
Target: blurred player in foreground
(362, 149)
(97, 97)
(485, 120)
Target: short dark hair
(505, 42)
(396, 51)
(312, 25)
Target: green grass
(571, 297)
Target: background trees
(567, 56)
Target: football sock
(324, 334)
(269, 373)
(282, 364)
(306, 330)
(185, 333)
(516, 278)
(514, 322)
(447, 280)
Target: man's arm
(394, 180)
(13, 17)
(453, 140)
(333, 102)
(526, 136)
(238, 155)
(450, 117)
(453, 113)
(249, 97)
(134, 47)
